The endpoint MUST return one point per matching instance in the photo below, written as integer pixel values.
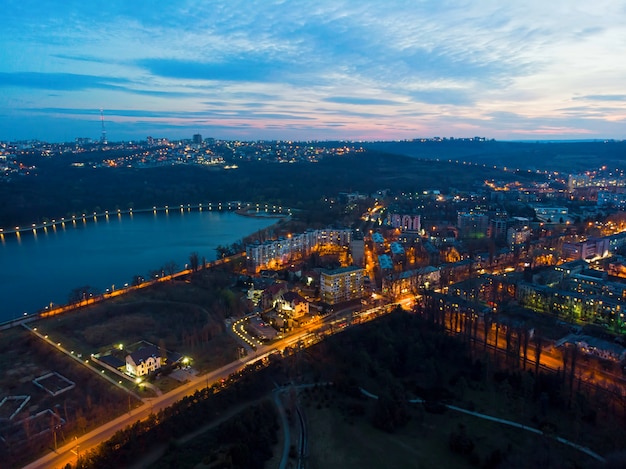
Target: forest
(400, 358)
(57, 189)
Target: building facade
(472, 224)
(344, 284)
(405, 222)
(143, 361)
(280, 252)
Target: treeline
(518, 354)
(553, 156)
(62, 190)
(403, 356)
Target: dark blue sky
(313, 70)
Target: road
(67, 453)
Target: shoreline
(241, 208)
(254, 213)
(250, 212)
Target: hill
(568, 157)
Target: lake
(43, 267)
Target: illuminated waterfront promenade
(47, 312)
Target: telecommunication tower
(103, 137)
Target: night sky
(325, 69)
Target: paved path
(510, 423)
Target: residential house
(272, 294)
(144, 361)
(293, 304)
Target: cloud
(601, 97)
(459, 97)
(235, 69)
(405, 67)
(76, 82)
(81, 58)
(59, 81)
(360, 101)
(223, 114)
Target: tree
(170, 267)
(487, 322)
(508, 337)
(222, 251)
(495, 348)
(526, 338)
(194, 261)
(538, 340)
(80, 294)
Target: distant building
(378, 241)
(577, 180)
(398, 254)
(516, 236)
(344, 284)
(498, 228)
(612, 199)
(590, 249)
(472, 224)
(405, 222)
(197, 139)
(552, 214)
(357, 248)
(617, 241)
(570, 268)
(411, 281)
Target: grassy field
(340, 439)
(400, 357)
(169, 315)
(179, 316)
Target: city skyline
(335, 70)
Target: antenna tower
(103, 137)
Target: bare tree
(194, 261)
(526, 338)
(170, 267)
(487, 321)
(81, 293)
(538, 340)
